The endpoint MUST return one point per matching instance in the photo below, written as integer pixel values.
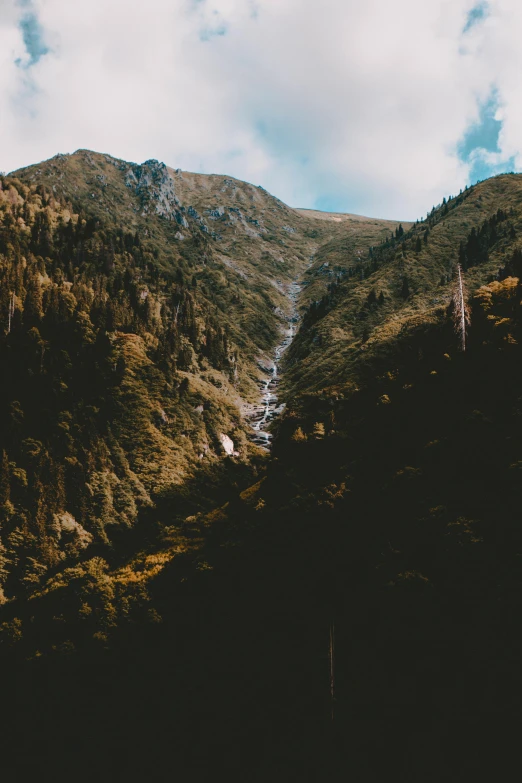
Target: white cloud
(357, 105)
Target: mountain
(140, 306)
(175, 595)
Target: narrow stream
(270, 408)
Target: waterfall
(270, 407)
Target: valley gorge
(228, 426)
(270, 406)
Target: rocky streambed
(262, 415)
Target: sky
(379, 108)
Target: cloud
(373, 108)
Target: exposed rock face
(194, 214)
(75, 536)
(215, 214)
(228, 445)
(155, 187)
(181, 219)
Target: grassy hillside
(400, 283)
(346, 240)
(232, 237)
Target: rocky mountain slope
(140, 308)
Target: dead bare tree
(460, 308)
(10, 312)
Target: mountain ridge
(176, 171)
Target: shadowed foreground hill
(397, 522)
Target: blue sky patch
(479, 146)
(207, 33)
(330, 204)
(476, 15)
(32, 33)
(483, 168)
(485, 132)
(213, 30)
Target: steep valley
(259, 512)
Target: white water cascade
(270, 408)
